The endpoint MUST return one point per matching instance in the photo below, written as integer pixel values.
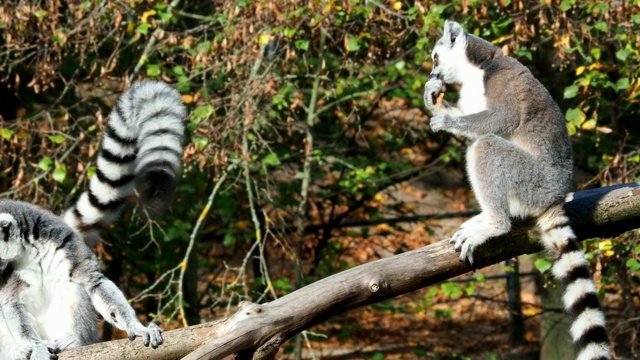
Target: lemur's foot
(473, 233)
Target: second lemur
(51, 284)
(519, 165)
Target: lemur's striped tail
(579, 291)
(141, 150)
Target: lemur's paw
(468, 248)
(432, 94)
(58, 345)
(440, 122)
(150, 335)
(467, 239)
(33, 351)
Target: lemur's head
(10, 240)
(456, 52)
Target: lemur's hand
(442, 121)
(150, 335)
(433, 92)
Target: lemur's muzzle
(434, 75)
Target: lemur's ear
(5, 226)
(452, 30)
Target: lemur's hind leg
(490, 164)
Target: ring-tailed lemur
(519, 165)
(50, 280)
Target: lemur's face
(449, 54)
(10, 244)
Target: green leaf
(271, 160)
(302, 45)
(542, 265)
(229, 239)
(56, 139)
(378, 356)
(289, 32)
(6, 133)
(165, 16)
(451, 290)
(153, 70)
(204, 46)
(40, 14)
(45, 163)
(622, 54)
(470, 289)
(178, 70)
(522, 52)
(60, 173)
(601, 26)
(565, 5)
(622, 84)
(571, 91)
(575, 116)
(200, 141)
(633, 264)
(86, 5)
(352, 44)
(203, 111)
(143, 28)
(481, 278)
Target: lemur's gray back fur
(141, 150)
(519, 165)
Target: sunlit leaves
(451, 290)
(60, 173)
(543, 265)
(633, 264)
(154, 70)
(143, 28)
(606, 247)
(302, 44)
(45, 163)
(570, 91)
(6, 133)
(352, 44)
(56, 139)
(40, 14)
(622, 54)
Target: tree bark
(255, 330)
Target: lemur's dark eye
(435, 60)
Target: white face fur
(10, 246)
(449, 55)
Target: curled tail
(579, 291)
(141, 151)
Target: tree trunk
(258, 329)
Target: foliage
(311, 110)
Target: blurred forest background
(308, 152)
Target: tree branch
(601, 212)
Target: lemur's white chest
(43, 270)
(472, 92)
